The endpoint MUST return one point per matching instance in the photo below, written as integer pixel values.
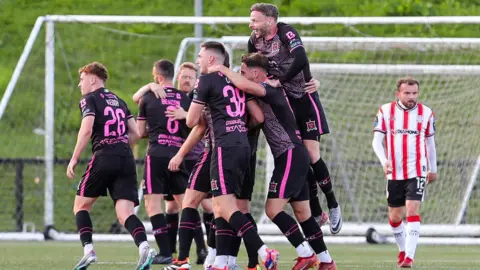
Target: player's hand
(175, 163)
(273, 83)
(71, 168)
(387, 168)
(431, 177)
(158, 90)
(215, 68)
(177, 113)
(312, 86)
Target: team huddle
(202, 144)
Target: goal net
(41, 118)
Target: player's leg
(196, 189)
(227, 171)
(156, 175)
(315, 207)
(207, 212)
(172, 216)
(91, 186)
(288, 180)
(123, 191)
(312, 230)
(414, 197)
(396, 212)
(312, 123)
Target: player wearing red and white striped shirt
(409, 161)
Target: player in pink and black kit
(289, 183)
(230, 148)
(165, 137)
(288, 60)
(111, 126)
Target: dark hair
(215, 46)
(226, 62)
(165, 68)
(407, 80)
(268, 10)
(255, 60)
(95, 68)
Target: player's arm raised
(154, 87)
(240, 81)
(193, 139)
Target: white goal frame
(354, 233)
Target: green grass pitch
(64, 255)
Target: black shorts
(160, 180)
(117, 174)
(398, 191)
(311, 119)
(200, 174)
(289, 178)
(227, 169)
(249, 180)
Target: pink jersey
(405, 132)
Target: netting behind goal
(356, 77)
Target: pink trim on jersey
(392, 140)
(288, 102)
(199, 168)
(285, 174)
(87, 174)
(317, 112)
(405, 146)
(220, 171)
(149, 176)
(417, 142)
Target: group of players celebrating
(202, 141)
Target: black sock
(289, 228)
(235, 245)
(188, 222)
(199, 241)
(135, 227)
(314, 235)
(223, 236)
(207, 221)
(246, 230)
(315, 207)
(211, 242)
(252, 254)
(172, 223)
(84, 226)
(160, 231)
(323, 178)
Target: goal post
(357, 75)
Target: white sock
(262, 252)
(87, 248)
(212, 253)
(399, 234)
(304, 250)
(142, 245)
(232, 260)
(324, 257)
(413, 233)
(221, 261)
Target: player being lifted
(186, 79)
(107, 120)
(282, 45)
(409, 164)
(289, 181)
(230, 148)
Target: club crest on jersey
(275, 47)
(273, 187)
(311, 125)
(213, 184)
